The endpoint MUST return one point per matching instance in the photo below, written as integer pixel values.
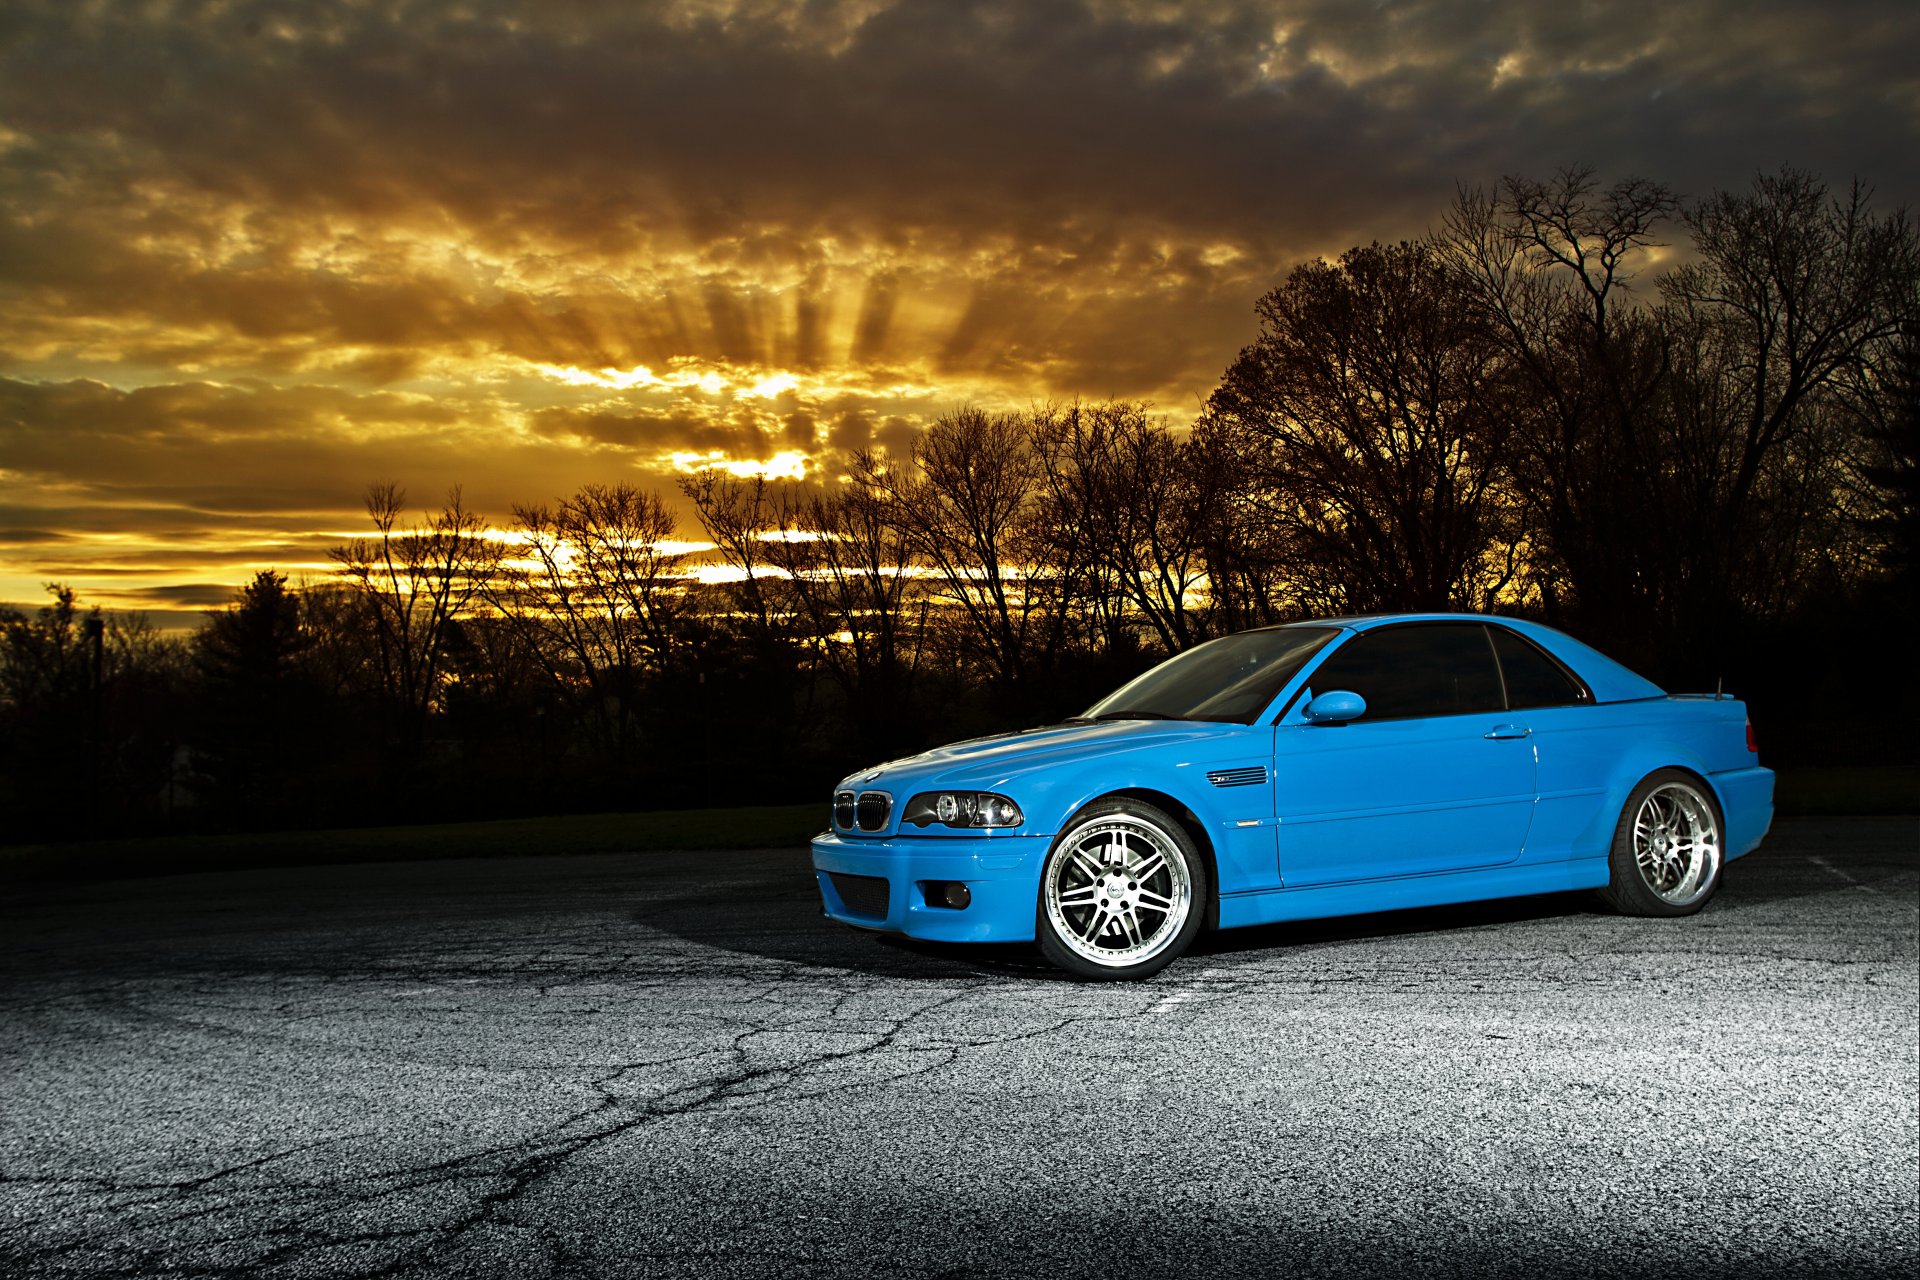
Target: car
(1315, 769)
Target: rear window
(1533, 679)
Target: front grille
(1250, 776)
(843, 810)
(872, 809)
(862, 895)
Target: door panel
(1436, 775)
(1401, 797)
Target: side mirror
(1335, 707)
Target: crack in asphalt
(501, 1176)
(537, 1065)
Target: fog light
(949, 893)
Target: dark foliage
(1714, 479)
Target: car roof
(1368, 621)
(1609, 680)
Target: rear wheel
(1666, 854)
(1123, 892)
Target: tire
(1123, 892)
(1667, 848)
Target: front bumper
(1002, 872)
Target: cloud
(625, 128)
(256, 254)
(364, 191)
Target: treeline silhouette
(1707, 471)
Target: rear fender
(1632, 769)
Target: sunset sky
(254, 256)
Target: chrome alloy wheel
(1676, 843)
(1119, 890)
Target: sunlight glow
(684, 375)
(719, 574)
(612, 379)
(566, 555)
(778, 384)
(676, 547)
(788, 464)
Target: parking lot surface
(670, 1065)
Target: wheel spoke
(1119, 890)
(1676, 843)
(1153, 864)
(1096, 924)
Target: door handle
(1508, 731)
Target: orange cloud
(255, 255)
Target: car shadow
(778, 918)
(1336, 930)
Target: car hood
(986, 763)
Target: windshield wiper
(1135, 715)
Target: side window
(1429, 669)
(1533, 679)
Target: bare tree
(968, 506)
(737, 514)
(1245, 553)
(599, 598)
(415, 583)
(1686, 463)
(1883, 474)
(1790, 297)
(849, 571)
(1126, 503)
(1375, 422)
(1550, 264)
(342, 656)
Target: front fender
(1237, 822)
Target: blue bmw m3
(1317, 769)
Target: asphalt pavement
(670, 1065)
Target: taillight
(1753, 743)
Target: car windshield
(1232, 678)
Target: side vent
(1251, 776)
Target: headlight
(962, 809)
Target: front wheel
(1122, 894)
(1666, 854)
